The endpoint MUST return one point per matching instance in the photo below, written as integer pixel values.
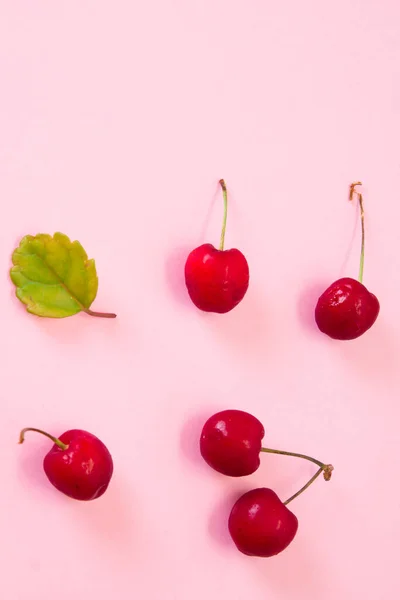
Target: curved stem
(225, 195)
(303, 489)
(93, 313)
(295, 454)
(55, 440)
(361, 205)
(323, 468)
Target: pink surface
(117, 120)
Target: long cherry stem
(295, 454)
(55, 440)
(303, 489)
(225, 195)
(93, 313)
(353, 192)
(323, 468)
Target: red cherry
(217, 280)
(260, 524)
(347, 309)
(78, 465)
(230, 442)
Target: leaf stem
(323, 468)
(55, 440)
(94, 313)
(225, 195)
(353, 192)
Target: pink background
(117, 120)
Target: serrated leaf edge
(16, 268)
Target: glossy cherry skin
(216, 280)
(346, 309)
(82, 471)
(260, 524)
(230, 442)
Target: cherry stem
(301, 490)
(55, 440)
(295, 454)
(325, 469)
(225, 195)
(353, 192)
(93, 313)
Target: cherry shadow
(218, 520)
(306, 304)
(204, 230)
(190, 436)
(309, 297)
(175, 263)
(306, 574)
(296, 559)
(175, 274)
(374, 355)
(109, 518)
(245, 330)
(350, 249)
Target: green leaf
(54, 277)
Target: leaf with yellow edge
(54, 277)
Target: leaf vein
(53, 272)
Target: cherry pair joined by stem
(260, 524)
(79, 465)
